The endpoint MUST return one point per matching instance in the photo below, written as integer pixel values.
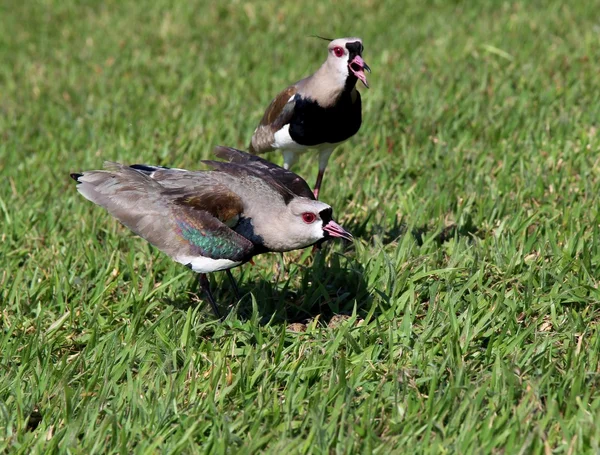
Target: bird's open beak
(335, 230)
(358, 67)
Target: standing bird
(319, 112)
(213, 220)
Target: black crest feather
(321, 37)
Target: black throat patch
(355, 48)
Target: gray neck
(325, 86)
(262, 214)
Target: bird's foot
(205, 286)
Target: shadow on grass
(327, 286)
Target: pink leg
(318, 184)
(316, 248)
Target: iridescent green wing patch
(209, 237)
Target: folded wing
(278, 114)
(184, 222)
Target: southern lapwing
(215, 219)
(319, 112)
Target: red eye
(309, 217)
(338, 51)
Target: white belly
(283, 140)
(291, 149)
(201, 264)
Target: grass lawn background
(472, 190)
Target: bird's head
(345, 58)
(301, 223)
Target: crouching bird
(216, 219)
(319, 112)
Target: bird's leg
(205, 285)
(324, 155)
(279, 269)
(234, 286)
(290, 157)
(318, 184)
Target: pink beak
(335, 230)
(358, 67)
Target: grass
(464, 318)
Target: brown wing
(278, 114)
(226, 206)
(273, 114)
(287, 183)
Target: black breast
(312, 124)
(245, 228)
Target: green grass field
(463, 319)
